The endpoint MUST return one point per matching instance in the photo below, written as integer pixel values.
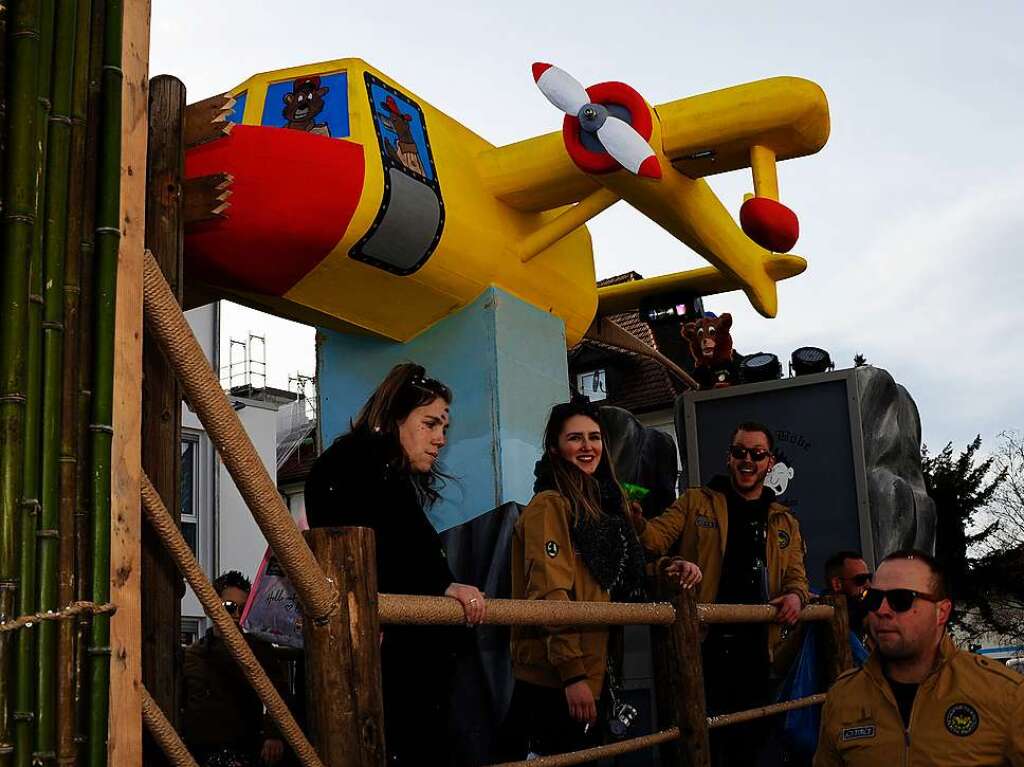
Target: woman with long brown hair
(573, 542)
(383, 474)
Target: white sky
(910, 216)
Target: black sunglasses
(900, 600)
(861, 579)
(756, 454)
(235, 608)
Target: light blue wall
(505, 363)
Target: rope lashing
(401, 609)
(723, 720)
(164, 733)
(72, 610)
(711, 613)
(178, 548)
(167, 323)
(598, 752)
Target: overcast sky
(910, 217)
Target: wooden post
(161, 407)
(343, 682)
(124, 741)
(837, 656)
(679, 680)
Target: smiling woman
(381, 475)
(573, 542)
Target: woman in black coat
(382, 474)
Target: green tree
(963, 487)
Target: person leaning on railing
(380, 475)
(573, 542)
(919, 700)
(750, 550)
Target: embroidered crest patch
(783, 539)
(859, 733)
(551, 549)
(961, 719)
(706, 522)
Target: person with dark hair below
(919, 700)
(573, 542)
(383, 474)
(847, 574)
(223, 722)
(750, 550)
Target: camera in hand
(621, 717)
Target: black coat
(352, 485)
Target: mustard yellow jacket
(696, 528)
(968, 712)
(545, 566)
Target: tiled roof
(297, 467)
(643, 385)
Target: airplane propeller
(617, 136)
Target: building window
(593, 384)
(190, 631)
(189, 492)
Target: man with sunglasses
(750, 551)
(222, 715)
(847, 573)
(919, 700)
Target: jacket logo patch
(859, 733)
(706, 522)
(783, 539)
(961, 719)
(551, 549)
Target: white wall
(240, 542)
(228, 537)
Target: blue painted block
(505, 363)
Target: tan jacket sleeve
(660, 534)
(827, 754)
(794, 578)
(550, 571)
(1015, 747)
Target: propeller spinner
(617, 137)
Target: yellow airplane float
(356, 205)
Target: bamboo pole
(25, 662)
(87, 249)
(19, 224)
(70, 411)
(54, 245)
(101, 427)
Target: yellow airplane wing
(751, 125)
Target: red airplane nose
(770, 224)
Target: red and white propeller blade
(560, 88)
(628, 147)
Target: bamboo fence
(60, 168)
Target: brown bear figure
(715, 363)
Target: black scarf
(608, 545)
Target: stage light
(809, 359)
(763, 366)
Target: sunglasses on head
(235, 608)
(756, 454)
(900, 600)
(432, 385)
